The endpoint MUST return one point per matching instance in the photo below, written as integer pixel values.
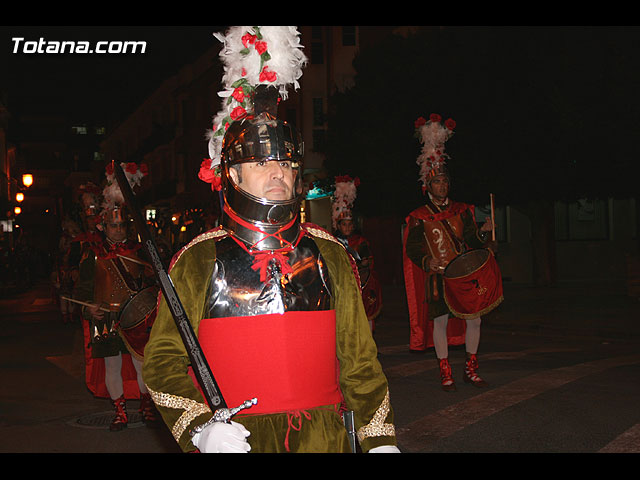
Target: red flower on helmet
(143, 169)
(419, 122)
(434, 117)
(267, 75)
(347, 178)
(248, 39)
(450, 123)
(238, 113)
(238, 94)
(132, 168)
(210, 175)
(261, 47)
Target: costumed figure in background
(275, 303)
(358, 246)
(435, 235)
(118, 298)
(66, 271)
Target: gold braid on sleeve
(192, 409)
(376, 427)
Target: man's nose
(275, 169)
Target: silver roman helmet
(261, 137)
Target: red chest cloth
(287, 361)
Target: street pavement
(563, 367)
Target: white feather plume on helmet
(251, 56)
(344, 197)
(112, 197)
(432, 134)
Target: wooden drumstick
(135, 260)
(86, 304)
(493, 223)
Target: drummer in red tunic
(435, 234)
(111, 274)
(357, 245)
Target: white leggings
(113, 375)
(472, 335)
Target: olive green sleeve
(363, 383)
(166, 363)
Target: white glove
(385, 449)
(220, 437)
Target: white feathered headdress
(344, 197)
(433, 135)
(252, 56)
(111, 194)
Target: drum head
(466, 263)
(139, 308)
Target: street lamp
(27, 180)
(17, 210)
(19, 197)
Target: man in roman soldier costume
(435, 234)
(275, 303)
(111, 277)
(357, 245)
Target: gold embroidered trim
(214, 233)
(377, 427)
(316, 232)
(192, 409)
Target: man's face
(346, 227)
(439, 187)
(273, 180)
(115, 231)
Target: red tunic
(287, 361)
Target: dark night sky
(108, 85)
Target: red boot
(446, 378)
(471, 371)
(148, 411)
(120, 421)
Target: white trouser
(472, 335)
(113, 375)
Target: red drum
(473, 284)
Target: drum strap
(126, 276)
(460, 246)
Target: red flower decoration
(347, 178)
(109, 169)
(238, 113)
(261, 47)
(450, 123)
(248, 39)
(238, 94)
(216, 183)
(143, 169)
(210, 175)
(132, 168)
(267, 75)
(434, 117)
(419, 122)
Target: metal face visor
(254, 219)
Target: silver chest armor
(236, 290)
